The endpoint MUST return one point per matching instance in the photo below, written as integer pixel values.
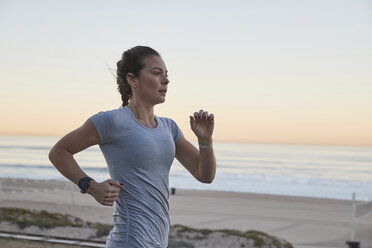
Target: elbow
(207, 180)
(51, 155)
(54, 154)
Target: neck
(141, 111)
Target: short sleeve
(102, 123)
(176, 131)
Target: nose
(165, 80)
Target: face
(153, 80)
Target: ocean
(332, 172)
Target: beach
(304, 222)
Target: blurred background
(289, 83)
(293, 72)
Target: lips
(163, 91)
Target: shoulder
(114, 118)
(111, 112)
(109, 124)
(167, 121)
(173, 128)
(108, 115)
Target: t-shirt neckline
(139, 123)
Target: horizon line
(217, 140)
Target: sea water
(333, 172)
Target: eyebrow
(166, 71)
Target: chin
(162, 100)
(159, 101)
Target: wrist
(92, 186)
(205, 141)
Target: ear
(132, 80)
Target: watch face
(84, 184)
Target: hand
(202, 125)
(106, 192)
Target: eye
(157, 73)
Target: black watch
(84, 184)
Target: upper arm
(79, 139)
(188, 156)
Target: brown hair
(132, 61)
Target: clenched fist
(106, 192)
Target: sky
(293, 72)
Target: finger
(108, 199)
(108, 203)
(114, 188)
(200, 114)
(211, 116)
(192, 122)
(114, 183)
(196, 114)
(114, 191)
(205, 115)
(111, 195)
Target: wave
(43, 148)
(46, 167)
(10, 147)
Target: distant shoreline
(44, 185)
(192, 140)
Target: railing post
(353, 243)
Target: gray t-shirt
(140, 158)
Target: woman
(139, 148)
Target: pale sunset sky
(296, 72)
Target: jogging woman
(139, 148)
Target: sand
(305, 222)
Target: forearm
(66, 164)
(207, 162)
